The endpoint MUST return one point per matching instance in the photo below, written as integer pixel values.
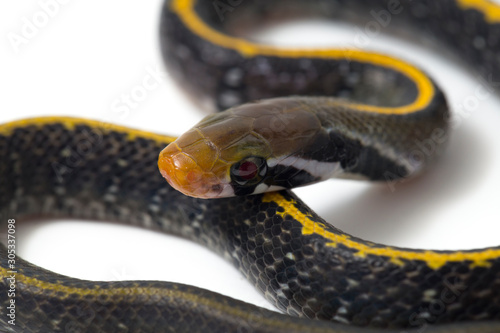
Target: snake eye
(249, 171)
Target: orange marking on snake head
(191, 165)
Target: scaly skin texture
(303, 265)
(237, 76)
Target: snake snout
(184, 174)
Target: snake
(293, 116)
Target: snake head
(190, 165)
(237, 152)
(216, 158)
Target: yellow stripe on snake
(372, 111)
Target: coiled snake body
(302, 264)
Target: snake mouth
(185, 175)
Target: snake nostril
(217, 188)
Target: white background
(90, 53)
